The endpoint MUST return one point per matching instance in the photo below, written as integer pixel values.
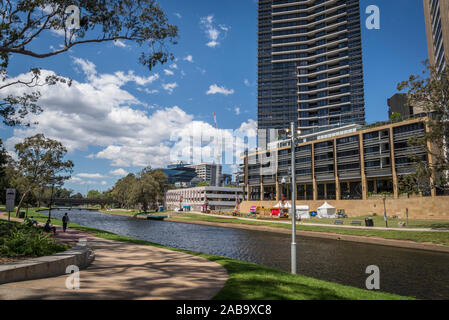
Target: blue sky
(114, 123)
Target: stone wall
(418, 207)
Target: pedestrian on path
(65, 221)
(49, 228)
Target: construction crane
(218, 159)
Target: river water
(417, 273)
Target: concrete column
(337, 179)
(325, 191)
(393, 166)
(362, 168)
(315, 188)
(277, 189)
(433, 191)
(261, 190)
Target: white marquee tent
(327, 211)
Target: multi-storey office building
(218, 198)
(207, 172)
(399, 104)
(347, 163)
(310, 64)
(437, 27)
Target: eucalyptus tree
(40, 163)
(430, 91)
(79, 23)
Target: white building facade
(218, 198)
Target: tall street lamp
(293, 193)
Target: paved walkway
(127, 271)
(322, 224)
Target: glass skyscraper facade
(310, 64)
(437, 24)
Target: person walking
(65, 221)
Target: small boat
(151, 217)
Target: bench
(356, 223)
(339, 222)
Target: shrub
(26, 241)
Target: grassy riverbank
(417, 236)
(392, 222)
(249, 281)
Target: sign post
(10, 201)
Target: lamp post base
(293, 257)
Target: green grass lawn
(393, 223)
(417, 236)
(249, 281)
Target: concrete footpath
(127, 271)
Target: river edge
(407, 244)
(244, 277)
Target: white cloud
(168, 72)
(119, 78)
(154, 91)
(80, 181)
(189, 58)
(98, 113)
(213, 33)
(214, 89)
(91, 175)
(237, 110)
(247, 83)
(120, 43)
(169, 87)
(173, 66)
(119, 172)
(178, 15)
(203, 71)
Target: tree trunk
(21, 202)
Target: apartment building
(207, 172)
(436, 14)
(309, 64)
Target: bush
(26, 241)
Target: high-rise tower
(310, 64)
(437, 26)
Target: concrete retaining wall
(44, 267)
(419, 207)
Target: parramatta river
(417, 273)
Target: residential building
(310, 64)
(218, 198)
(436, 14)
(207, 172)
(399, 104)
